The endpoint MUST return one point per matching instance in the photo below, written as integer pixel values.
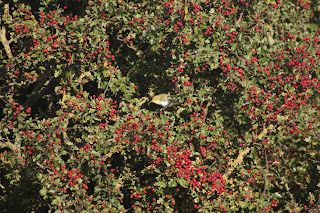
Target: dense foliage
(78, 132)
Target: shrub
(79, 134)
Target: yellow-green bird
(162, 99)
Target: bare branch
(3, 37)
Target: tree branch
(3, 37)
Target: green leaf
(57, 73)
(183, 183)
(43, 191)
(172, 183)
(55, 202)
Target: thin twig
(104, 93)
(43, 167)
(239, 57)
(238, 21)
(267, 171)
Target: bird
(162, 99)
